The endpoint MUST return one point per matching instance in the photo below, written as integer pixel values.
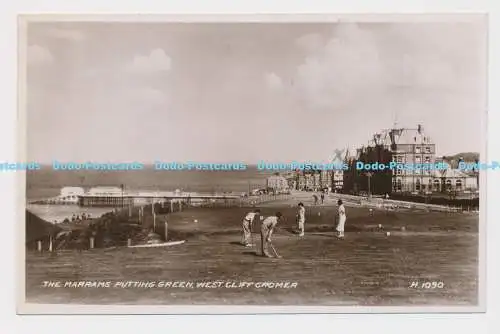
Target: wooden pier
(143, 198)
(117, 199)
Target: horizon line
(45, 163)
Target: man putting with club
(247, 227)
(266, 231)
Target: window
(427, 160)
(458, 185)
(417, 185)
(397, 158)
(417, 149)
(437, 185)
(427, 149)
(448, 184)
(418, 159)
(398, 185)
(399, 171)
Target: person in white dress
(342, 217)
(301, 219)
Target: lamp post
(471, 201)
(122, 186)
(369, 175)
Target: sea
(46, 183)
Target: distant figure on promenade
(301, 219)
(322, 197)
(266, 231)
(341, 219)
(247, 227)
(315, 199)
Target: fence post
(166, 230)
(39, 245)
(50, 243)
(180, 205)
(171, 206)
(129, 242)
(91, 246)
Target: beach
(57, 213)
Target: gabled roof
(449, 173)
(276, 177)
(406, 136)
(400, 136)
(453, 173)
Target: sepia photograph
(277, 163)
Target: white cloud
(357, 66)
(147, 95)
(344, 68)
(90, 72)
(156, 61)
(66, 34)
(273, 81)
(310, 42)
(38, 55)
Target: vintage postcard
(252, 164)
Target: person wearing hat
(247, 227)
(266, 232)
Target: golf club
(275, 252)
(251, 235)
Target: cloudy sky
(248, 91)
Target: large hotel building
(400, 145)
(405, 146)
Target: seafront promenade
(367, 202)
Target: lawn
(367, 268)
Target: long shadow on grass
(254, 253)
(329, 236)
